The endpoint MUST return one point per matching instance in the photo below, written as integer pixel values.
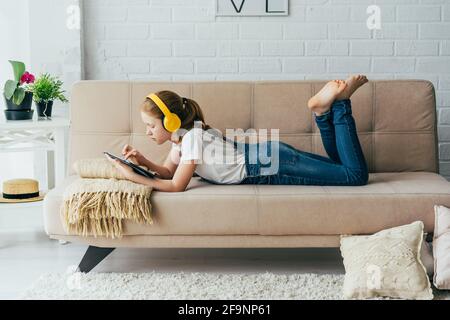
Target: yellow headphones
(171, 120)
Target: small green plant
(14, 90)
(47, 88)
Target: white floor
(24, 256)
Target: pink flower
(27, 78)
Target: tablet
(135, 168)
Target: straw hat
(21, 190)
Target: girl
(331, 107)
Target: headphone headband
(160, 104)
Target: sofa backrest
(395, 119)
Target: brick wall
(319, 39)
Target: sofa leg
(92, 257)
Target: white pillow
(386, 264)
(441, 247)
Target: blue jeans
(346, 165)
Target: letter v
(240, 8)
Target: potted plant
(45, 90)
(17, 94)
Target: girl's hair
(188, 112)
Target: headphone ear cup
(172, 122)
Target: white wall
(14, 37)
(54, 47)
(45, 37)
(319, 39)
(15, 40)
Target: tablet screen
(135, 168)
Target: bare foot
(353, 83)
(321, 102)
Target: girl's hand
(133, 155)
(122, 168)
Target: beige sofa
(396, 123)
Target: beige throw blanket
(98, 202)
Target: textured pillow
(98, 168)
(441, 247)
(386, 264)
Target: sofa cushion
(202, 209)
(389, 145)
(389, 200)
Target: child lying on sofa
(169, 117)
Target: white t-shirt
(217, 160)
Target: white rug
(189, 286)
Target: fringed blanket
(98, 206)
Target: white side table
(37, 136)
